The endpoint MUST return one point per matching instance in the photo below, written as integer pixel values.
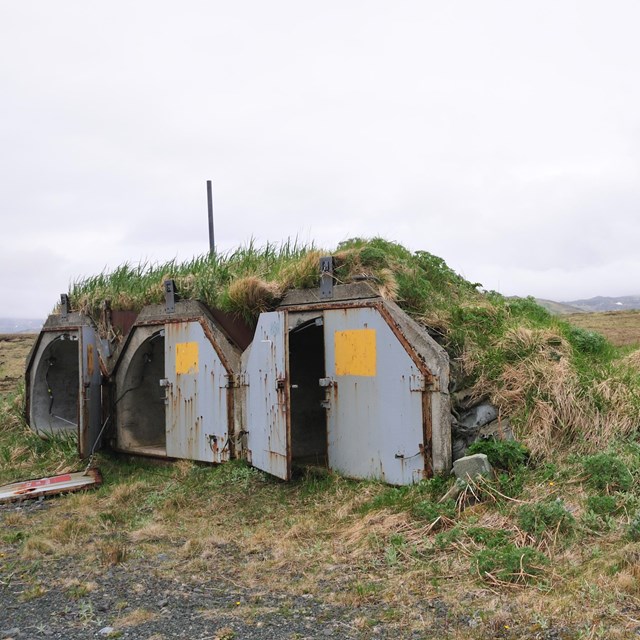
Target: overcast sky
(502, 136)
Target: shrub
(431, 511)
(510, 563)
(512, 484)
(588, 342)
(445, 538)
(607, 472)
(546, 517)
(633, 531)
(602, 505)
(490, 538)
(508, 455)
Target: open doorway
(54, 399)
(140, 404)
(308, 416)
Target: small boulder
(470, 467)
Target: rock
(498, 429)
(458, 447)
(14, 632)
(163, 603)
(470, 467)
(107, 632)
(479, 423)
(463, 399)
(478, 416)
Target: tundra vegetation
(547, 547)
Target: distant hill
(598, 304)
(20, 325)
(602, 303)
(558, 308)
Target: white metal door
(265, 372)
(373, 400)
(197, 393)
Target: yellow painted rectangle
(355, 352)
(186, 357)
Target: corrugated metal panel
(267, 397)
(374, 399)
(197, 395)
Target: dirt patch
(14, 350)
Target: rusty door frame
(90, 391)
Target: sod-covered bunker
(337, 377)
(63, 379)
(378, 362)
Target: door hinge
(418, 382)
(241, 380)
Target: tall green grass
(206, 277)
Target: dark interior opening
(308, 416)
(141, 403)
(54, 398)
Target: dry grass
(621, 328)
(14, 349)
(274, 538)
(544, 389)
(633, 360)
(112, 552)
(36, 547)
(150, 532)
(302, 273)
(253, 294)
(135, 617)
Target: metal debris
(53, 485)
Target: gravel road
(63, 598)
(148, 597)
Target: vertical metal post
(65, 305)
(326, 277)
(212, 246)
(170, 296)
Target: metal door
(374, 399)
(196, 390)
(265, 371)
(90, 396)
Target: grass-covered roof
(559, 384)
